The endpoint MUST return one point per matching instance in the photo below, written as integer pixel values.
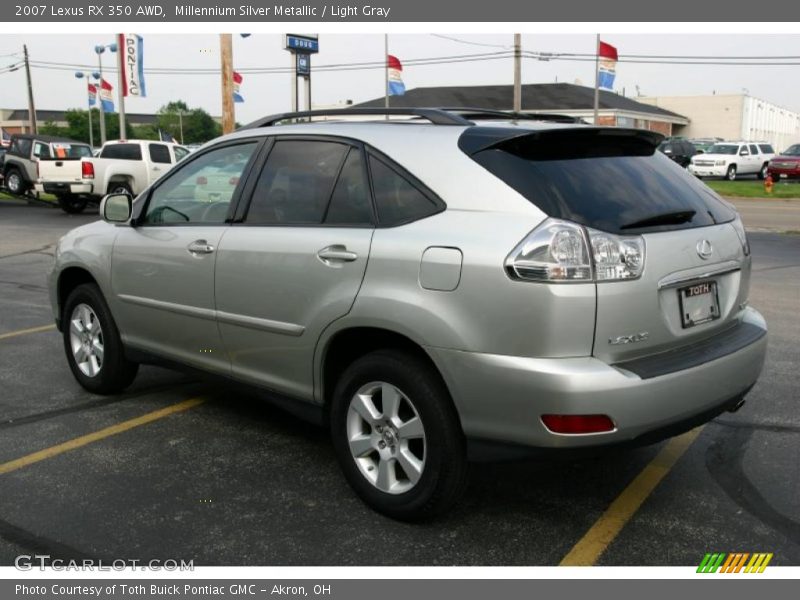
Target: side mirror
(116, 208)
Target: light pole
(99, 49)
(96, 75)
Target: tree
(198, 125)
(77, 127)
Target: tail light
(578, 424)
(562, 252)
(739, 227)
(201, 180)
(87, 170)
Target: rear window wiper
(671, 218)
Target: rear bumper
(64, 188)
(501, 398)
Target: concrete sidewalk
(769, 214)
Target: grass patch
(44, 197)
(752, 189)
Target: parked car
(26, 153)
(786, 165)
(733, 159)
(429, 289)
(702, 145)
(3, 151)
(125, 166)
(679, 150)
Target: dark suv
(679, 150)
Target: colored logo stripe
(734, 562)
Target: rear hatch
(63, 165)
(693, 279)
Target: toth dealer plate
(699, 303)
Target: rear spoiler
(478, 139)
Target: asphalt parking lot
(229, 480)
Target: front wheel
(72, 204)
(397, 436)
(762, 174)
(92, 343)
(730, 174)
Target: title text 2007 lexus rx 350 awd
(426, 284)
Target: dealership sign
(132, 63)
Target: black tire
(730, 174)
(762, 174)
(15, 182)
(72, 204)
(444, 473)
(115, 371)
(119, 188)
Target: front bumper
(777, 173)
(64, 188)
(501, 398)
(708, 171)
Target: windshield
(605, 182)
(723, 149)
(792, 150)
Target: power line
(460, 41)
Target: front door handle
(200, 247)
(336, 253)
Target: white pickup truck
(124, 166)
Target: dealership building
(733, 117)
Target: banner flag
(106, 96)
(396, 85)
(607, 65)
(92, 89)
(132, 47)
(237, 82)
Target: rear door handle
(200, 247)
(336, 253)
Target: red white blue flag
(396, 85)
(92, 89)
(607, 67)
(237, 83)
(106, 96)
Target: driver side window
(200, 192)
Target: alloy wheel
(86, 340)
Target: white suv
(731, 159)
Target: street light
(96, 75)
(99, 49)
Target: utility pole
(517, 72)
(226, 56)
(31, 105)
(180, 122)
(596, 78)
(100, 108)
(386, 70)
(121, 84)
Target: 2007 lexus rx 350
(424, 284)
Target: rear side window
(122, 151)
(350, 202)
(396, 199)
(21, 147)
(296, 183)
(159, 153)
(766, 149)
(607, 180)
(753, 149)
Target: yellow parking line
(608, 526)
(11, 334)
(98, 435)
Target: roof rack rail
(488, 113)
(435, 115)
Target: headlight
(560, 251)
(720, 163)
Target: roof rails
(488, 113)
(434, 115)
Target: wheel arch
(342, 347)
(68, 280)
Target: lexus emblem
(704, 249)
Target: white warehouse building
(732, 117)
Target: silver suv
(426, 285)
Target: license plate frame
(695, 308)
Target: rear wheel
(15, 183)
(92, 343)
(730, 174)
(119, 187)
(397, 436)
(72, 204)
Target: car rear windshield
(122, 151)
(67, 151)
(608, 179)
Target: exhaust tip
(737, 406)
